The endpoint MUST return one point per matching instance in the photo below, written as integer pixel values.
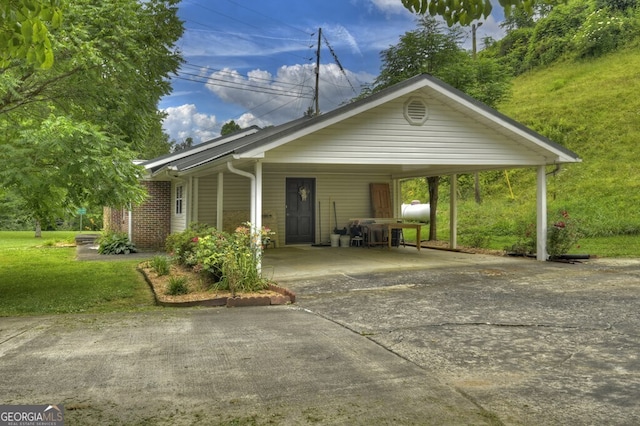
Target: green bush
(182, 245)
(562, 235)
(601, 33)
(161, 264)
(177, 286)
(232, 259)
(115, 243)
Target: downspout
(256, 232)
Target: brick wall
(151, 220)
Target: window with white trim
(179, 199)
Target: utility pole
(474, 28)
(317, 93)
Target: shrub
(476, 238)
(115, 243)
(182, 245)
(232, 259)
(563, 234)
(527, 239)
(601, 33)
(177, 286)
(161, 264)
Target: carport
(291, 177)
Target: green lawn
(37, 277)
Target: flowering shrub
(182, 245)
(527, 239)
(562, 235)
(230, 260)
(601, 33)
(233, 259)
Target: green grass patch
(38, 278)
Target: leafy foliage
(115, 243)
(177, 286)
(230, 260)
(463, 12)
(161, 264)
(182, 245)
(24, 31)
(601, 33)
(229, 127)
(70, 132)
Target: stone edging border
(284, 296)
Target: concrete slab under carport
(301, 261)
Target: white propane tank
(416, 211)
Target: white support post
(453, 213)
(258, 222)
(541, 214)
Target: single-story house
(306, 177)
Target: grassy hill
(591, 107)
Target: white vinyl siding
(383, 136)
(350, 192)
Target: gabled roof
(253, 144)
(161, 161)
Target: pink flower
(195, 239)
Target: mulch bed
(201, 293)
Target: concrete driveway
(376, 337)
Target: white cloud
(274, 99)
(341, 36)
(185, 121)
(389, 6)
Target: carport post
(541, 214)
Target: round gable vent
(416, 111)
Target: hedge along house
(304, 178)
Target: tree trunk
(433, 182)
(38, 229)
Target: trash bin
(344, 240)
(335, 240)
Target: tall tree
(68, 134)
(229, 127)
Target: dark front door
(300, 211)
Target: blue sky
(253, 62)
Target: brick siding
(151, 220)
